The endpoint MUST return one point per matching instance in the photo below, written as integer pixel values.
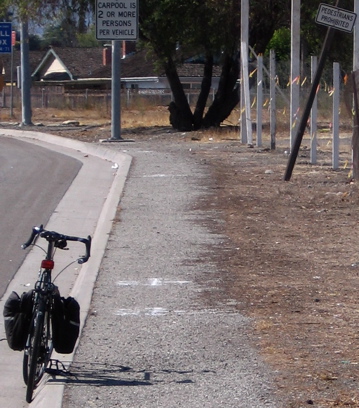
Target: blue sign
(5, 38)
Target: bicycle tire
(38, 353)
(25, 362)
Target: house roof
(88, 63)
(5, 62)
(140, 65)
(76, 62)
(136, 65)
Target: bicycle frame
(40, 328)
(39, 344)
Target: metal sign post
(116, 21)
(334, 18)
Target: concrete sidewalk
(158, 334)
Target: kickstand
(57, 367)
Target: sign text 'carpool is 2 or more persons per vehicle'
(335, 17)
(117, 20)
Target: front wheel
(37, 352)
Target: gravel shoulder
(151, 338)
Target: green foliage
(178, 29)
(59, 36)
(35, 43)
(280, 42)
(88, 39)
(31, 10)
(163, 25)
(265, 18)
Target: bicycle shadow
(102, 374)
(98, 374)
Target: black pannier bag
(17, 315)
(65, 324)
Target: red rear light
(47, 264)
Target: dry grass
(144, 116)
(134, 118)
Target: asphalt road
(87, 207)
(32, 182)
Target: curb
(84, 284)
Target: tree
(61, 33)
(280, 42)
(265, 18)
(88, 39)
(176, 29)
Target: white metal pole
(294, 70)
(273, 117)
(244, 38)
(25, 75)
(313, 117)
(116, 91)
(259, 99)
(12, 77)
(336, 98)
(247, 96)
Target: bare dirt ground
(291, 260)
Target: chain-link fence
(58, 98)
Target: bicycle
(39, 344)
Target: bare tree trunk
(82, 26)
(204, 93)
(227, 96)
(181, 117)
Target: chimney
(106, 56)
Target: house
(77, 69)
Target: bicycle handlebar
(52, 236)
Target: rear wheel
(37, 352)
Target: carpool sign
(5, 38)
(335, 17)
(117, 20)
